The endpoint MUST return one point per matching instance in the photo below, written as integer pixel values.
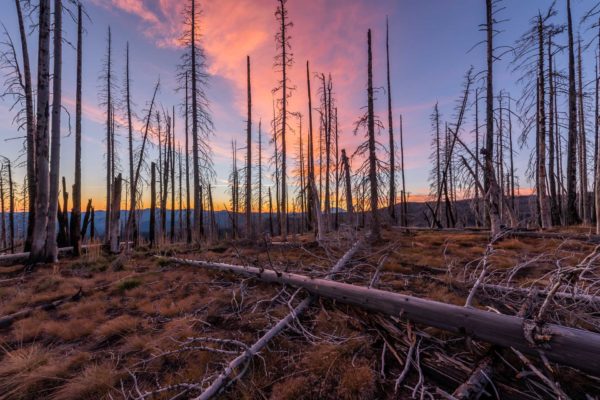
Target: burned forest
(277, 199)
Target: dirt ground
(142, 325)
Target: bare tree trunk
(180, 194)
(249, 158)
(115, 216)
(403, 195)
(375, 235)
(214, 233)
(260, 222)
(152, 232)
(337, 172)
(284, 94)
(195, 149)
(38, 242)
(489, 154)
(188, 222)
(348, 181)
(311, 158)
(86, 219)
(392, 191)
(270, 212)
(76, 212)
(541, 162)
(572, 215)
(2, 199)
(597, 141)
(131, 229)
(63, 218)
(477, 152)
(172, 161)
(554, 209)
(108, 134)
(11, 209)
(585, 209)
(31, 129)
(51, 248)
(327, 153)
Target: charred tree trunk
(173, 184)
(131, 229)
(11, 209)
(311, 158)
(403, 194)
(109, 146)
(51, 248)
(554, 208)
(260, 202)
(86, 219)
(3, 206)
(249, 158)
(270, 213)
(392, 189)
(571, 212)
(76, 212)
(375, 235)
(42, 180)
(348, 182)
(188, 222)
(115, 216)
(541, 162)
(152, 231)
(583, 176)
(31, 129)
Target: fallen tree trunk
(569, 346)
(220, 382)
(11, 259)
(8, 320)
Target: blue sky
(430, 42)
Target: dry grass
(136, 307)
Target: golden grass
(96, 381)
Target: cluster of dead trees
(562, 169)
(328, 192)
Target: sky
(431, 48)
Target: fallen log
(11, 259)
(8, 320)
(569, 346)
(220, 382)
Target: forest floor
(145, 326)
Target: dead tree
(51, 248)
(3, 207)
(404, 195)
(541, 162)
(348, 183)
(489, 147)
(188, 205)
(270, 213)
(375, 235)
(249, 158)
(337, 171)
(259, 173)
(11, 208)
(172, 167)
(283, 61)
(572, 217)
(86, 219)
(109, 109)
(76, 212)
(115, 216)
(193, 67)
(582, 148)
(131, 228)
(597, 140)
(392, 188)
(152, 231)
(30, 123)
(552, 143)
(311, 152)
